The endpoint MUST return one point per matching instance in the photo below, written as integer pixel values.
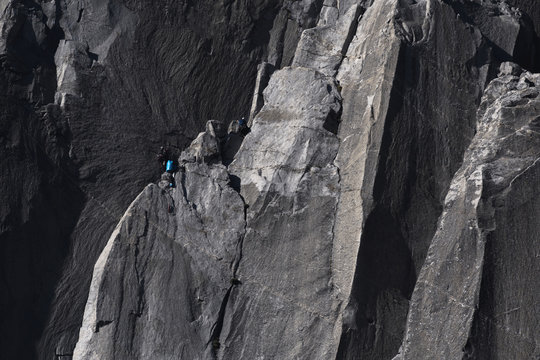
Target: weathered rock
(289, 119)
(71, 56)
(288, 180)
(479, 211)
(292, 177)
(207, 145)
(344, 179)
(403, 136)
(293, 18)
(323, 47)
(132, 76)
(366, 95)
(160, 285)
(264, 72)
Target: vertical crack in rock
(290, 185)
(80, 15)
(383, 225)
(477, 210)
(215, 338)
(264, 72)
(218, 325)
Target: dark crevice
(240, 244)
(67, 356)
(92, 56)
(102, 323)
(527, 48)
(384, 265)
(332, 121)
(352, 32)
(182, 173)
(218, 325)
(235, 183)
(80, 15)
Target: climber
(170, 166)
(163, 156)
(171, 169)
(243, 127)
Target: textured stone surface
(158, 286)
(129, 76)
(285, 267)
(323, 47)
(301, 110)
(264, 71)
(338, 188)
(419, 128)
(479, 212)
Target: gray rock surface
(397, 158)
(487, 197)
(159, 284)
(285, 268)
(323, 47)
(90, 90)
(264, 72)
(311, 230)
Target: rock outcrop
(381, 206)
(487, 208)
(90, 91)
(291, 195)
(168, 268)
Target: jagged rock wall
(294, 190)
(166, 270)
(90, 90)
(291, 196)
(402, 140)
(479, 213)
(344, 174)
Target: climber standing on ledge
(168, 166)
(243, 127)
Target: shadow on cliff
(42, 206)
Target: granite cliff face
(381, 207)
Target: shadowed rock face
(487, 196)
(375, 144)
(90, 90)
